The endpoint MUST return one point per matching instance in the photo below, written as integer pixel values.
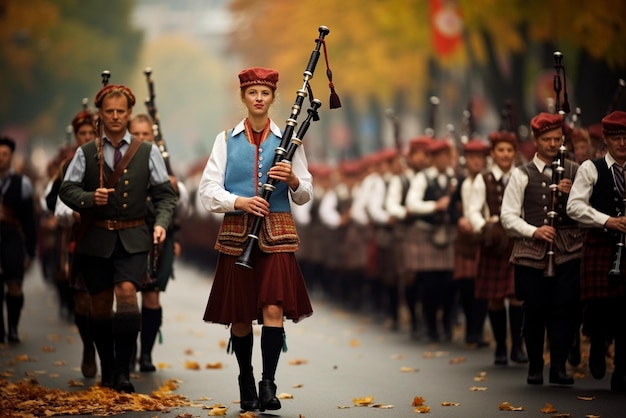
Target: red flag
(447, 26)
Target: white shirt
(415, 202)
(478, 212)
(578, 206)
(375, 200)
(511, 214)
(393, 201)
(211, 191)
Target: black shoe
(107, 378)
(597, 361)
(535, 374)
(500, 358)
(145, 363)
(618, 382)
(558, 376)
(248, 398)
(518, 355)
(88, 366)
(122, 383)
(267, 396)
(13, 337)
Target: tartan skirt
(421, 255)
(598, 256)
(238, 294)
(495, 279)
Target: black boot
(88, 365)
(150, 324)
(272, 342)
(102, 334)
(535, 373)
(498, 327)
(126, 326)
(516, 320)
(534, 336)
(558, 375)
(477, 323)
(14, 310)
(242, 347)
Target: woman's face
(258, 98)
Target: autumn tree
(52, 53)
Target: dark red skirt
(239, 294)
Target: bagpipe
(558, 163)
(290, 143)
(154, 115)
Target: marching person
(151, 309)
(107, 183)
(18, 237)
(467, 246)
(429, 198)
(406, 232)
(494, 281)
(597, 203)
(84, 131)
(550, 303)
(239, 165)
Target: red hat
(116, 89)
(439, 145)
(614, 123)
(476, 146)
(545, 122)
(84, 117)
(420, 142)
(595, 131)
(258, 75)
(503, 136)
(388, 154)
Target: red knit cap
(84, 117)
(258, 75)
(476, 146)
(503, 136)
(439, 145)
(420, 142)
(545, 122)
(614, 123)
(114, 89)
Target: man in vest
(597, 203)
(550, 303)
(107, 183)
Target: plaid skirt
(421, 255)
(495, 279)
(598, 256)
(238, 294)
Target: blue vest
(247, 167)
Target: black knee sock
(242, 347)
(498, 327)
(272, 340)
(14, 310)
(82, 323)
(150, 323)
(126, 326)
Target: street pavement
(333, 358)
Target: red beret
(545, 122)
(388, 154)
(476, 146)
(351, 167)
(503, 136)
(595, 131)
(114, 89)
(420, 142)
(84, 117)
(614, 123)
(258, 75)
(439, 145)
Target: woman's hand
(255, 205)
(282, 171)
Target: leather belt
(117, 224)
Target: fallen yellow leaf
(363, 401)
(424, 409)
(418, 401)
(477, 388)
(284, 396)
(450, 403)
(586, 398)
(548, 409)
(192, 365)
(405, 369)
(216, 365)
(505, 406)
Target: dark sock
(272, 339)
